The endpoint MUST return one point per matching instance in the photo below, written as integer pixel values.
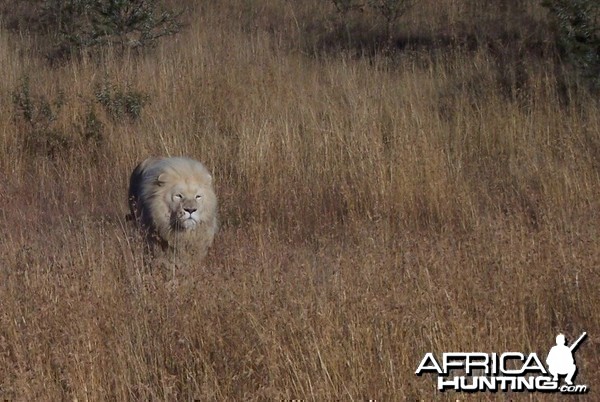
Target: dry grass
(374, 209)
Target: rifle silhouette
(576, 343)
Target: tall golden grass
(373, 208)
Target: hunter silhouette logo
(560, 359)
(509, 371)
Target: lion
(173, 201)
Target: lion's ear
(160, 180)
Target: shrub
(45, 132)
(389, 10)
(36, 116)
(120, 102)
(123, 24)
(578, 34)
(93, 129)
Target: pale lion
(172, 199)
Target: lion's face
(187, 205)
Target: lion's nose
(190, 210)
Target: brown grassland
(440, 195)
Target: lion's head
(174, 200)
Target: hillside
(384, 193)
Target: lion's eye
(198, 196)
(178, 196)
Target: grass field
(438, 196)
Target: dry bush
(373, 209)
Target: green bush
(578, 34)
(120, 102)
(35, 117)
(45, 132)
(123, 24)
(93, 129)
